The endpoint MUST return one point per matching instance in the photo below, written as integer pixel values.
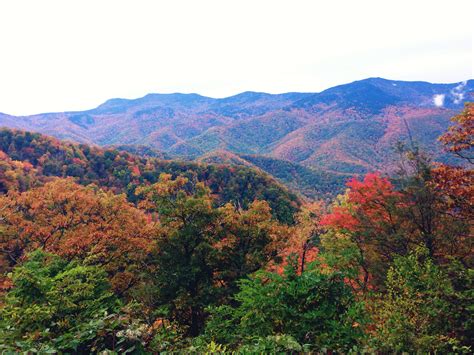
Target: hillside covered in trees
(121, 172)
(105, 251)
(346, 129)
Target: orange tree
(76, 222)
(456, 183)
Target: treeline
(89, 265)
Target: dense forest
(309, 182)
(105, 251)
(121, 172)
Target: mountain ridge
(122, 99)
(347, 129)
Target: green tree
(202, 251)
(313, 308)
(184, 256)
(421, 310)
(56, 305)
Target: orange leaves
(305, 234)
(76, 222)
(456, 185)
(460, 137)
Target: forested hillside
(347, 129)
(102, 251)
(121, 172)
(310, 182)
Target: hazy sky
(73, 55)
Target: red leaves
(340, 217)
(78, 161)
(366, 200)
(135, 170)
(372, 188)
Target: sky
(63, 55)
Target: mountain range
(300, 138)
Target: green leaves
(55, 304)
(202, 251)
(419, 312)
(314, 308)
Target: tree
(459, 137)
(250, 240)
(456, 183)
(16, 175)
(184, 256)
(421, 311)
(77, 222)
(121, 172)
(314, 307)
(303, 237)
(201, 250)
(56, 305)
(382, 222)
(366, 222)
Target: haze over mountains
(348, 129)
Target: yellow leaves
(16, 175)
(166, 186)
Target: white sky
(73, 55)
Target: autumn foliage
(75, 222)
(368, 205)
(456, 183)
(459, 137)
(102, 250)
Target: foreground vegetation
(104, 251)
